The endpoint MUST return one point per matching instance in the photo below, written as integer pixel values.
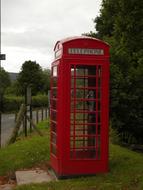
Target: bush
(114, 136)
(40, 101)
(12, 103)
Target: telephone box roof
(66, 40)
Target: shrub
(40, 101)
(12, 103)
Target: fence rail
(8, 123)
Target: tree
(4, 83)
(31, 74)
(4, 80)
(46, 80)
(120, 24)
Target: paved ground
(33, 176)
(36, 175)
(7, 187)
(8, 121)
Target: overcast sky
(30, 28)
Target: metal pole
(31, 118)
(42, 114)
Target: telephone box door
(88, 128)
(85, 112)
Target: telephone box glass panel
(53, 102)
(85, 117)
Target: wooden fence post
(15, 117)
(46, 115)
(37, 116)
(34, 126)
(19, 120)
(42, 114)
(31, 117)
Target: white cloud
(30, 28)
(15, 57)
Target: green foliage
(4, 83)
(105, 21)
(4, 80)
(46, 80)
(12, 103)
(13, 89)
(114, 136)
(40, 101)
(44, 125)
(120, 23)
(31, 75)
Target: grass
(26, 151)
(126, 173)
(126, 167)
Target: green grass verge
(126, 173)
(126, 167)
(25, 152)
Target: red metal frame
(79, 112)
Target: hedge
(12, 103)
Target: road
(8, 123)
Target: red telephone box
(79, 107)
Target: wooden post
(25, 117)
(37, 116)
(42, 114)
(31, 116)
(15, 116)
(29, 102)
(46, 115)
(34, 126)
(20, 118)
(23, 124)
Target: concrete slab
(32, 176)
(6, 187)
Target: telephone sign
(2, 56)
(84, 51)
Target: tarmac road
(8, 121)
